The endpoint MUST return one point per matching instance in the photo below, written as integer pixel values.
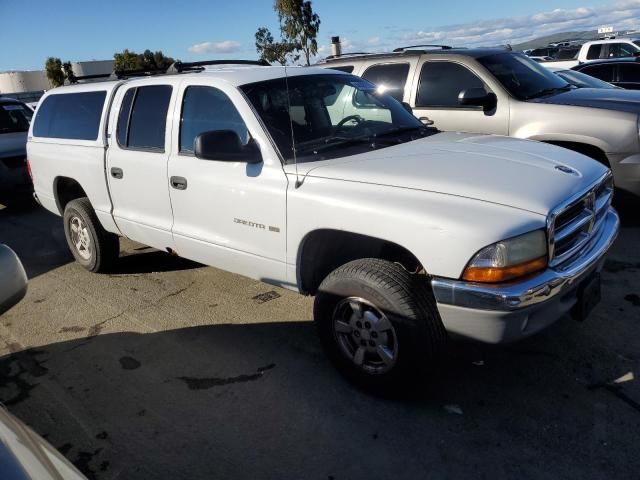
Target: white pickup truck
(598, 50)
(313, 180)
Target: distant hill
(556, 37)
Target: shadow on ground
(261, 401)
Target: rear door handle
(179, 183)
(117, 173)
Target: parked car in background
(24, 455)
(316, 181)
(581, 80)
(598, 50)
(15, 118)
(623, 73)
(502, 92)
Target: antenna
(298, 183)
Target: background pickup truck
(599, 50)
(312, 180)
(497, 91)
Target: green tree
(271, 51)
(148, 60)
(68, 72)
(56, 76)
(299, 25)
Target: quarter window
(143, 117)
(441, 84)
(75, 116)
(205, 109)
(390, 77)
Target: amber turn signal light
(503, 274)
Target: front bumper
(509, 312)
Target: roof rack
(75, 79)
(347, 55)
(180, 67)
(402, 49)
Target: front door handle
(426, 121)
(117, 173)
(179, 183)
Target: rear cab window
(73, 116)
(594, 52)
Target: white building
(29, 85)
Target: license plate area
(589, 295)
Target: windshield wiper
(549, 91)
(336, 142)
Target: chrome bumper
(532, 291)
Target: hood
(502, 170)
(13, 144)
(611, 99)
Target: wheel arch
(323, 250)
(65, 190)
(585, 148)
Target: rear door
(435, 96)
(137, 162)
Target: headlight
(509, 259)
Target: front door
(226, 214)
(436, 95)
(137, 164)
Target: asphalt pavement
(166, 369)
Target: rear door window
(441, 84)
(74, 116)
(594, 52)
(390, 78)
(603, 72)
(143, 118)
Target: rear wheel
(92, 246)
(379, 323)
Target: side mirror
(13, 283)
(225, 146)
(478, 97)
(407, 107)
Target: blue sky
(198, 29)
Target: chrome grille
(573, 225)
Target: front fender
(442, 231)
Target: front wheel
(92, 246)
(378, 322)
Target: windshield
(317, 117)
(14, 117)
(582, 80)
(522, 77)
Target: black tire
(408, 303)
(103, 248)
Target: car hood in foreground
(522, 174)
(611, 99)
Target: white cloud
(623, 15)
(227, 46)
